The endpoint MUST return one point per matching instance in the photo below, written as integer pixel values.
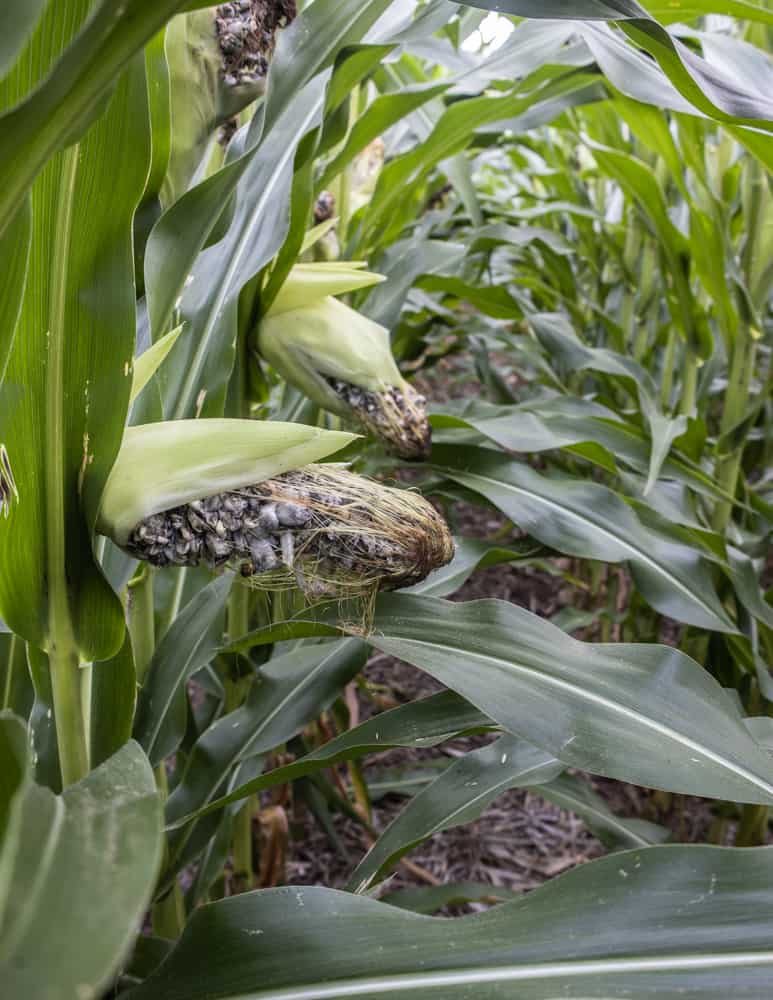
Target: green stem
(62, 648)
(667, 376)
(235, 691)
(142, 627)
(175, 601)
(15, 658)
(689, 382)
(736, 402)
(68, 710)
(345, 180)
(168, 914)
(753, 828)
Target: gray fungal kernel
(268, 518)
(292, 515)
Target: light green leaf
(148, 363)
(173, 462)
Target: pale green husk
(329, 338)
(163, 465)
(309, 283)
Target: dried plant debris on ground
(246, 31)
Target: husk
(163, 465)
(327, 350)
(307, 284)
(332, 534)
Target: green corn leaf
(206, 290)
(588, 520)
(63, 80)
(569, 791)
(459, 795)
(148, 363)
(307, 284)
(14, 261)
(642, 713)
(422, 723)
(709, 89)
(71, 359)
(189, 644)
(17, 22)
(385, 111)
(535, 948)
(76, 871)
(290, 691)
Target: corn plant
(218, 286)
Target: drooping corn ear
(343, 362)
(321, 528)
(8, 490)
(163, 465)
(307, 284)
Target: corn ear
(323, 529)
(163, 465)
(343, 362)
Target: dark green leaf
(588, 520)
(189, 644)
(76, 873)
(612, 928)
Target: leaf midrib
(638, 553)
(369, 986)
(598, 699)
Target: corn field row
(292, 295)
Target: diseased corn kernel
(396, 415)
